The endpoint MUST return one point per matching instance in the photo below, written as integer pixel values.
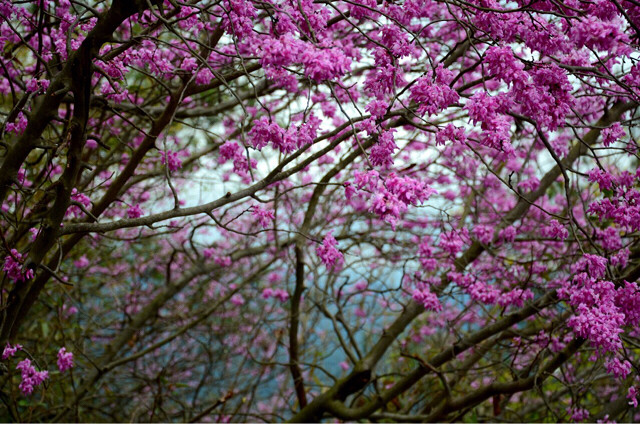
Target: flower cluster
(171, 160)
(432, 93)
(266, 132)
(14, 269)
(489, 112)
(382, 152)
(281, 295)
(555, 230)
(622, 205)
(329, 254)
(65, 359)
(451, 133)
(612, 134)
(264, 216)
(9, 351)
(135, 211)
(81, 199)
(428, 299)
(632, 395)
(390, 198)
(233, 151)
(30, 377)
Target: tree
(412, 210)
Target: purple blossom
(171, 160)
(579, 414)
(483, 233)
(501, 62)
(632, 395)
(14, 269)
(381, 152)
(9, 351)
(329, 254)
(612, 134)
(19, 126)
(265, 132)
(326, 64)
(428, 299)
(264, 216)
(30, 377)
(135, 211)
(65, 359)
(603, 178)
(451, 133)
(555, 230)
(82, 262)
(452, 241)
(377, 108)
(433, 95)
(618, 368)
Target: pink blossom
(170, 159)
(135, 211)
(432, 93)
(452, 241)
(596, 265)
(377, 108)
(281, 295)
(329, 254)
(81, 199)
(325, 64)
(617, 367)
(515, 297)
(425, 255)
(428, 299)
(223, 261)
(9, 351)
(612, 134)
(483, 233)
(507, 234)
(265, 132)
(82, 262)
(67, 311)
(360, 285)
(65, 359)
(409, 190)
(30, 377)
(34, 85)
(237, 300)
(632, 395)
(451, 133)
(14, 269)
(555, 230)
(264, 216)
(579, 414)
(600, 324)
(381, 152)
(501, 62)
(18, 126)
(603, 178)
